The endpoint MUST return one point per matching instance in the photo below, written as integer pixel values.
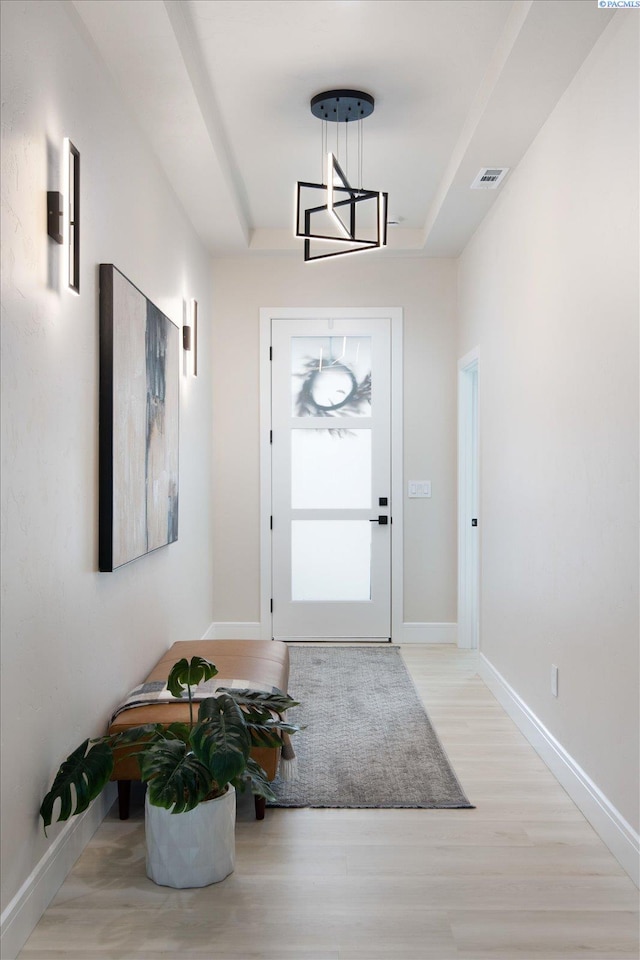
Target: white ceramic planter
(191, 849)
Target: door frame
(395, 316)
(469, 500)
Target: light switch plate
(419, 488)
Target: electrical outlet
(554, 680)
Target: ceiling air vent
(489, 178)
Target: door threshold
(337, 640)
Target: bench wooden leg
(124, 798)
(261, 804)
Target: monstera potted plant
(191, 770)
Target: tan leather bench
(264, 662)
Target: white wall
(425, 289)
(548, 289)
(74, 641)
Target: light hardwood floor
(521, 877)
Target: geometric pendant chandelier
(335, 218)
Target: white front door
(331, 479)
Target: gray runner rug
(368, 741)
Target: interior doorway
(469, 520)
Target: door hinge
(271, 523)
(270, 436)
(474, 522)
(270, 353)
(271, 605)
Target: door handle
(383, 521)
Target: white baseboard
(606, 820)
(36, 893)
(225, 630)
(426, 633)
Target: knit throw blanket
(155, 691)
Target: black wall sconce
(74, 218)
(55, 215)
(190, 336)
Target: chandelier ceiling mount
(341, 106)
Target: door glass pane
(331, 469)
(331, 376)
(331, 560)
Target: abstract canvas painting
(139, 413)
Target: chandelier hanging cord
(346, 148)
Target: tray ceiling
(221, 89)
